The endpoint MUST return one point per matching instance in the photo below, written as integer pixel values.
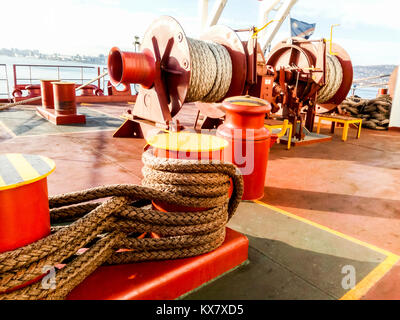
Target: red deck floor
(351, 187)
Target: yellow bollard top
(19, 169)
(187, 141)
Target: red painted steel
(382, 92)
(24, 215)
(47, 93)
(162, 280)
(249, 141)
(131, 67)
(57, 119)
(64, 98)
(64, 111)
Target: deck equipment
(345, 120)
(104, 229)
(173, 69)
(297, 76)
(24, 203)
(249, 141)
(62, 110)
(184, 146)
(302, 78)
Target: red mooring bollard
(131, 67)
(24, 203)
(382, 92)
(189, 146)
(249, 141)
(47, 93)
(64, 98)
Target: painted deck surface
(349, 187)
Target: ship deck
(326, 205)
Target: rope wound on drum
(108, 230)
(333, 76)
(333, 79)
(211, 72)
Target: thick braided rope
(334, 77)
(224, 73)
(183, 234)
(211, 71)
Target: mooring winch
(173, 69)
(302, 77)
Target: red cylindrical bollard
(382, 92)
(131, 67)
(24, 204)
(64, 98)
(47, 93)
(188, 146)
(249, 141)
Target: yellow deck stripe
(368, 281)
(373, 277)
(7, 129)
(339, 234)
(23, 167)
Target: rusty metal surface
(231, 41)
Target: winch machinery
(297, 77)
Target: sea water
(36, 73)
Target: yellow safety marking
(2, 182)
(7, 129)
(247, 103)
(25, 170)
(368, 281)
(337, 233)
(372, 278)
(330, 41)
(23, 167)
(86, 104)
(130, 102)
(257, 30)
(187, 141)
(50, 162)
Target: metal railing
(57, 70)
(369, 83)
(6, 81)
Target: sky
(369, 30)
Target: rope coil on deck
(105, 227)
(211, 72)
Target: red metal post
(249, 141)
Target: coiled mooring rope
(211, 72)
(105, 227)
(333, 79)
